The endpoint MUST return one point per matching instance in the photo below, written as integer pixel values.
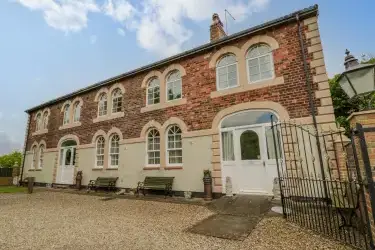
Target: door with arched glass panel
(65, 174)
(250, 154)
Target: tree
(343, 106)
(9, 160)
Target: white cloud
(121, 32)
(93, 39)
(65, 15)
(160, 25)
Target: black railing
(328, 195)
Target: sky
(49, 48)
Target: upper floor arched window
(153, 91)
(39, 122)
(116, 101)
(174, 86)
(45, 120)
(66, 119)
(76, 112)
(102, 105)
(226, 72)
(260, 63)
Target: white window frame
(116, 98)
(66, 118)
(153, 91)
(45, 120)
(76, 106)
(173, 149)
(103, 105)
(34, 151)
(226, 66)
(101, 154)
(270, 54)
(168, 82)
(114, 154)
(152, 150)
(39, 120)
(40, 156)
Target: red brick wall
(198, 83)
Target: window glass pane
(249, 142)
(227, 146)
(232, 75)
(68, 155)
(270, 144)
(61, 156)
(265, 59)
(254, 78)
(265, 67)
(222, 71)
(263, 49)
(267, 75)
(253, 52)
(232, 68)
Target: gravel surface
(52, 220)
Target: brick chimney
(217, 28)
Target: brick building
(206, 108)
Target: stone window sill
(97, 169)
(249, 86)
(173, 168)
(109, 117)
(151, 168)
(70, 125)
(164, 105)
(112, 168)
(31, 169)
(40, 132)
(38, 169)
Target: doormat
(226, 226)
(108, 199)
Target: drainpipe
(311, 102)
(25, 146)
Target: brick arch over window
(68, 137)
(97, 134)
(113, 131)
(150, 124)
(150, 75)
(171, 68)
(35, 144)
(223, 51)
(38, 113)
(278, 108)
(66, 103)
(43, 142)
(117, 86)
(100, 92)
(79, 100)
(174, 121)
(270, 41)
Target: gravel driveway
(53, 220)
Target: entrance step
(60, 186)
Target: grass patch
(12, 189)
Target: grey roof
(304, 13)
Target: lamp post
(357, 79)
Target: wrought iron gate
(322, 185)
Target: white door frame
(65, 171)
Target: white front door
(251, 168)
(67, 162)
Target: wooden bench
(103, 182)
(156, 183)
(345, 199)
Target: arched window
(226, 72)
(153, 147)
(114, 151)
(250, 149)
(100, 144)
(66, 114)
(35, 157)
(76, 112)
(260, 63)
(174, 145)
(39, 122)
(153, 91)
(116, 101)
(45, 120)
(174, 86)
(41, 155)
(102, 106)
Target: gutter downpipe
(312, 105)
(25, 147)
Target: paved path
(235, 216)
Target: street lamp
(358, 79)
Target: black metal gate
(322, 183)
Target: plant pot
(207, 181)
